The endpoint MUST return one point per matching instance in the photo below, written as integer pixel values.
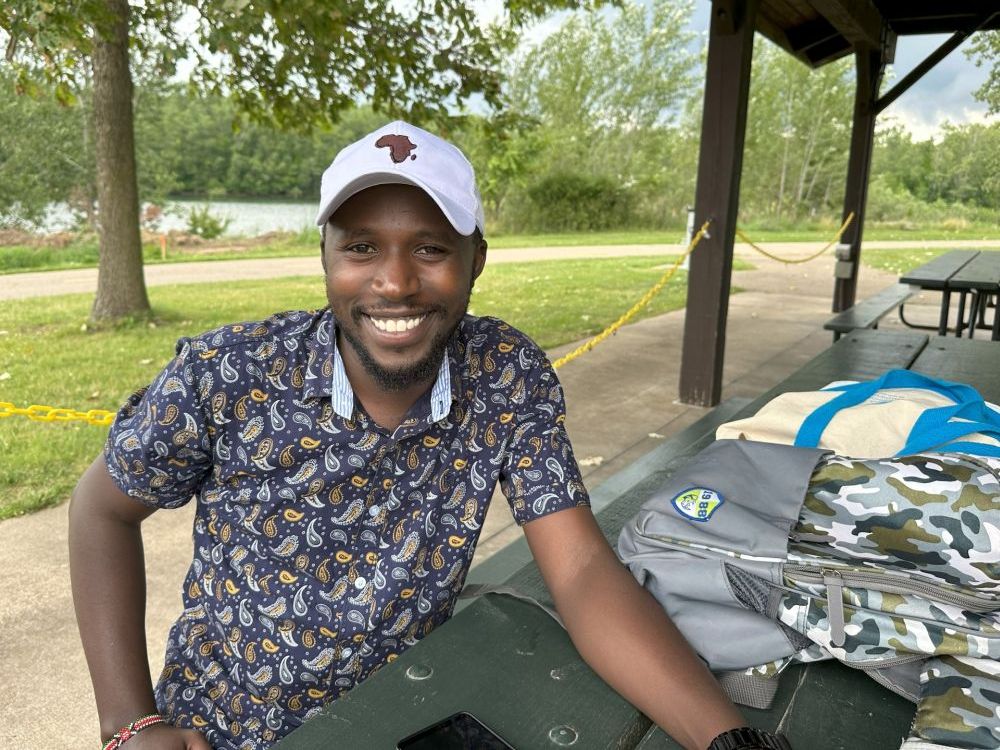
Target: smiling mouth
(396, 325)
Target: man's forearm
(109, 595)
(641, 654)
(624, 634)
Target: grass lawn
(899, 260)
(48, 356)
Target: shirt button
(374, 510)
(360, 582)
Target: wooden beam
(811, 33)
(858, 20)
(946, 48)
(720, 161)
(814, 44)
(870, 64)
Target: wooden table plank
(935, 273)
(982, 272)
(975, 362)
(502, 660)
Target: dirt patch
(194, 245)
(176, 240)
(12, 237)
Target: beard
(401, 378)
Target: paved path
(622, 402)
(47, 283)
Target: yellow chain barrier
(834, 241)
(634, 310)
(39, 413)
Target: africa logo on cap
(399, 147)
(697, 503)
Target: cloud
(944, 94)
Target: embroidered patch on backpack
(697, 503)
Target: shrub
(202, 223)
(569, 201)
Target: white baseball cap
(400, 153)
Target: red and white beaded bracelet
(129, 731)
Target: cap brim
(463, 221)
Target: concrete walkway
(622, 402)
(48, 283)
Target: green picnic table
(510, 664)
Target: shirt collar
(320, 345)
(338, 387)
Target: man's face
(398, 279)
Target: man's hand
(638, 651)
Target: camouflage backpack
(766, 554)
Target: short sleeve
(158, 450)
(540, 474)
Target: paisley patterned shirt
(324, 545)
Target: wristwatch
(748, 738)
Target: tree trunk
(121, 288)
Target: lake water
(245, 218)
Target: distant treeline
(600, 131)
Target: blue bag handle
(936, 427)
(932, 429)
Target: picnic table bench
(868, 312)
(513, 666)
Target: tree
(603, 93)
(44, 155)
(985, 50)
(296, 63)
(798, 134)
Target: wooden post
(163, 247)
(870, 67)
(720, 161)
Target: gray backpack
(766, 554)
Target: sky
(943, 94)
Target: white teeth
(396, 325)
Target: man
(343, 460)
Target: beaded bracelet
(126, 733)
